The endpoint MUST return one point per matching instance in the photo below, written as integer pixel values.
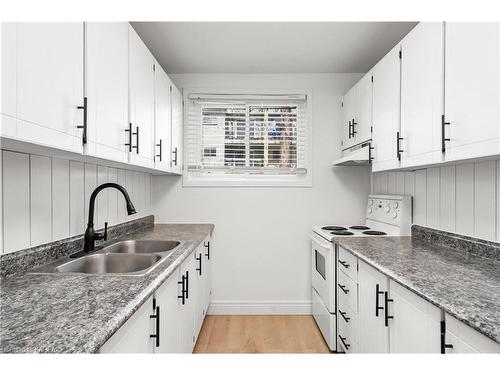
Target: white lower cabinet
(460, 338)
(134, 335)
(414, 323)
(373, 332)
(170, 320)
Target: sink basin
(140, 247)
(110, 263)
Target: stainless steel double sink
(132, 257)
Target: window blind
(246, 134)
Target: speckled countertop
(68, 313)
(464, 285)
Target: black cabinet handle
(343, 288)
(344, 315)
(350, 134)
(136, 139)
(398, 145)
(183, 293)
(187, 284)
(370, 155)
(354, 131)
(444, 345)
(377, 292)
(84, 126)
(199, 260)
(157, 317)
(344, 263)
(443, 134)
(207, 254)
(129, 130)
(386, 306)
(174, 161)
(159, 145)
(343, 339)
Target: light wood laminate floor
(260, 334)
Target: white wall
(261, 247)
(46, 199)
(463, 198)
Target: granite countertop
(466, 286)
(68, 313)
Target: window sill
(247, 181)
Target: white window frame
(247, 180)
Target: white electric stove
(386, 215)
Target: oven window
(320, 264)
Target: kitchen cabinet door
(422, 81)
(348, 109)
(464, 339)
(386, 110)
(472, 90)
(170, 308)
(373, 334)
(187, 311)
(177, 130)
(134, 335)
(8, 71)
(163, 119)
(363, 110)
(48, 73)
(415, 323)
(106, 74)
(141, 102)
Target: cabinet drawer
(348, 263)
(347, 292)
(347, 330)
(466, 339)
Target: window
(247, 139)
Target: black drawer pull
(136, 139)
(386, 306)
(129, 131)
(344, 315)
(199, 260)
(344, 339)
(377, 292)
(354, 131)
(350, 134)
(183, 293)
(160, 146)
(207, 245)
(187, 284)
(84, 126)
(398, 146)
(443, 134)
(343, 288)
(157, 317)
(344, 263)
(174, 161)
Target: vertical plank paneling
(410, 183)
(148, 193)
(113, 197)
(433, 197)
(391, 183)
(129, 185)
(380, 183)
(1, 201)
(60, 199)
(90, 185)
(76, 197)
(447, 200)
(121, 202)
(420, 198)
(137, 193)
(498, 202)
(16, 205)
(144, 198)
(40, 199)
(485, 200)
(400, 183)
(464, 206)
(102, 198)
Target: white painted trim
(260, 308)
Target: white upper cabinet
(357, 113)
(44, 83)
(106, 73)
(141, 102)
(362, 125)
(177, 125)
(163, 119)
(422, 83)
(386, 110)
(472, 90)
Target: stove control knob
(387, 208)
(396, 205)
(370, 210)
(370, 202)
(395, 215)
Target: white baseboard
(260, 308)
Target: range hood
(358, 155)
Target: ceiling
(270, 47)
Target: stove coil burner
(360, 227)
(333, 227)
(374, 233)
(342, 233)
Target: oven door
(323, 270)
